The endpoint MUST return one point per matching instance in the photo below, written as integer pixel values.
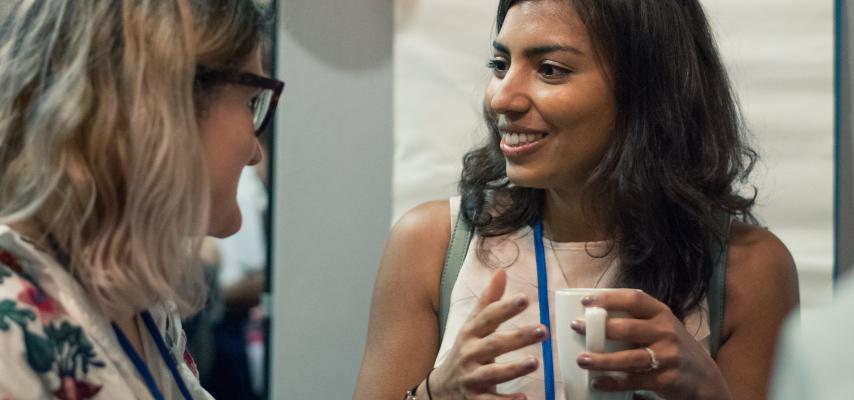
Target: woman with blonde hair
(124, 126)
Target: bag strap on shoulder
(458, 247)
(717, 287)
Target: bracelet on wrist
(427, 383)
(411, 393)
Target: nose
(510, 94)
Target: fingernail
(531, 364)
(521, 302)
(577, 326)
(584, 361)
(587, 300)
(539, 332)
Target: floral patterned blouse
(54, 344)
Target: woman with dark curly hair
(616, 141)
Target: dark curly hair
(677, 156)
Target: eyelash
(561, 71)
(499, 67)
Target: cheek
(229, 144)
(224, 174)
(228, 135)
(585, 130)
(587, 110)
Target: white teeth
(513, 139)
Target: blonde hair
(99, 141)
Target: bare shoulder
(424, 221)
(423, 231)
(757, 255)
(761, 276)
(417, 246)
(403, 334)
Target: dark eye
(551, 71)
(498, 66)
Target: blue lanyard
(65, 260)
(140, 365)
(543, 295)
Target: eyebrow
(532, 52)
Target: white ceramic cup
(576, 381)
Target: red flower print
(188, 359)
(6, 258)
(71, 389)
(45, 307)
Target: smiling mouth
(519, 139)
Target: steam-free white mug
(576, 381)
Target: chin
(221, 227)
(526, 178)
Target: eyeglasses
(263, 105)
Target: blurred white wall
(332, 201)
(779, 54)
(441, 49)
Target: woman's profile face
(551, 97)
(229, 143)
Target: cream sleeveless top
(569, 265)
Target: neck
(132, 331)
(28, 229)
(564, 219)
(33, 232)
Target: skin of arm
(762, 289)
(403, 333)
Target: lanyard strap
(170, 361)
(65, 260)
(140, 365)
(543, 295)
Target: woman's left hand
(684, 371)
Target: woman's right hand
(470, 371)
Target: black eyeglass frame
(207, 75)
